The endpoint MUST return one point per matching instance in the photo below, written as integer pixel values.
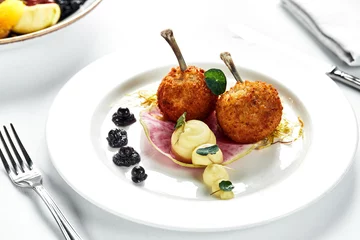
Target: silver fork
(26, 175)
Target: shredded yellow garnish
(301, 131)
(149, 97)
(10, 13)
(284, 133)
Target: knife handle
(340, 76)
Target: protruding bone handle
(169, 37)
(226, 57)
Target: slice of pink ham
(159, 134)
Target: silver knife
(255, 37)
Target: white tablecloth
(112, 26)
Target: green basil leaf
(226, 186)
(208, 150)
(215, 80)
(181, 121)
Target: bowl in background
(84, 9)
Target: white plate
(269, 184)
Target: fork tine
(3, 159)
(26, 155)
(15, 150)
(16, 169)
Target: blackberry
(138, 174)
(68, 7)
(126, 157)
(123, 112)
(123, 117)
(117, 138)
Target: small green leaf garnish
(208, 150)
(181, 121)
(215, 80)
(226, 186)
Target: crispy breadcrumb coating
(249, 111)
(186, 91)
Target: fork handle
(65, 227)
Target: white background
(32, 73)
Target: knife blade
(252, 36)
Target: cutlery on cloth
(252, 36)
(23, 173)
(335, 24)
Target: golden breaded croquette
(249, 111)
(185, 91)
